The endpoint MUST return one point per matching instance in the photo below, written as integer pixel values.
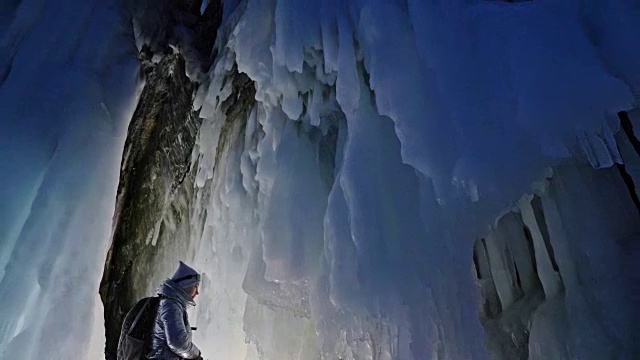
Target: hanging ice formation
(373, 180)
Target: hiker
(171, 337)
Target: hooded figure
(171, 339)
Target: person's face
(193, 291)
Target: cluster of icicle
(386, 137)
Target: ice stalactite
(342, 173)
(357, 180)
(544, 269)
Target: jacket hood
(171, 290)
(185, 275)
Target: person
(171, 337)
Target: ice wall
(68, 82)
(338, 216)
(425, 123)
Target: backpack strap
(135, 321)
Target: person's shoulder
(168, 302)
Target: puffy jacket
(171, 339)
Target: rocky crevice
(628, 131)
(157, 183)
(155, 161)
(156, 175)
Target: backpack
(137, 329)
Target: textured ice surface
(342, 218)
(440, 118)
(67, 88)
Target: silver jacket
(171, 339)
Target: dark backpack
(137, 329)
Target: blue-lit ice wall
(444, 116)
(387, 137)
(68, 82)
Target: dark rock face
(157, 183)
(179, 23)
(205, 26)
(155, 177)
(236, 108)
(155, 162)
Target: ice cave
(355, 179)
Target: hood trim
(173, 291)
